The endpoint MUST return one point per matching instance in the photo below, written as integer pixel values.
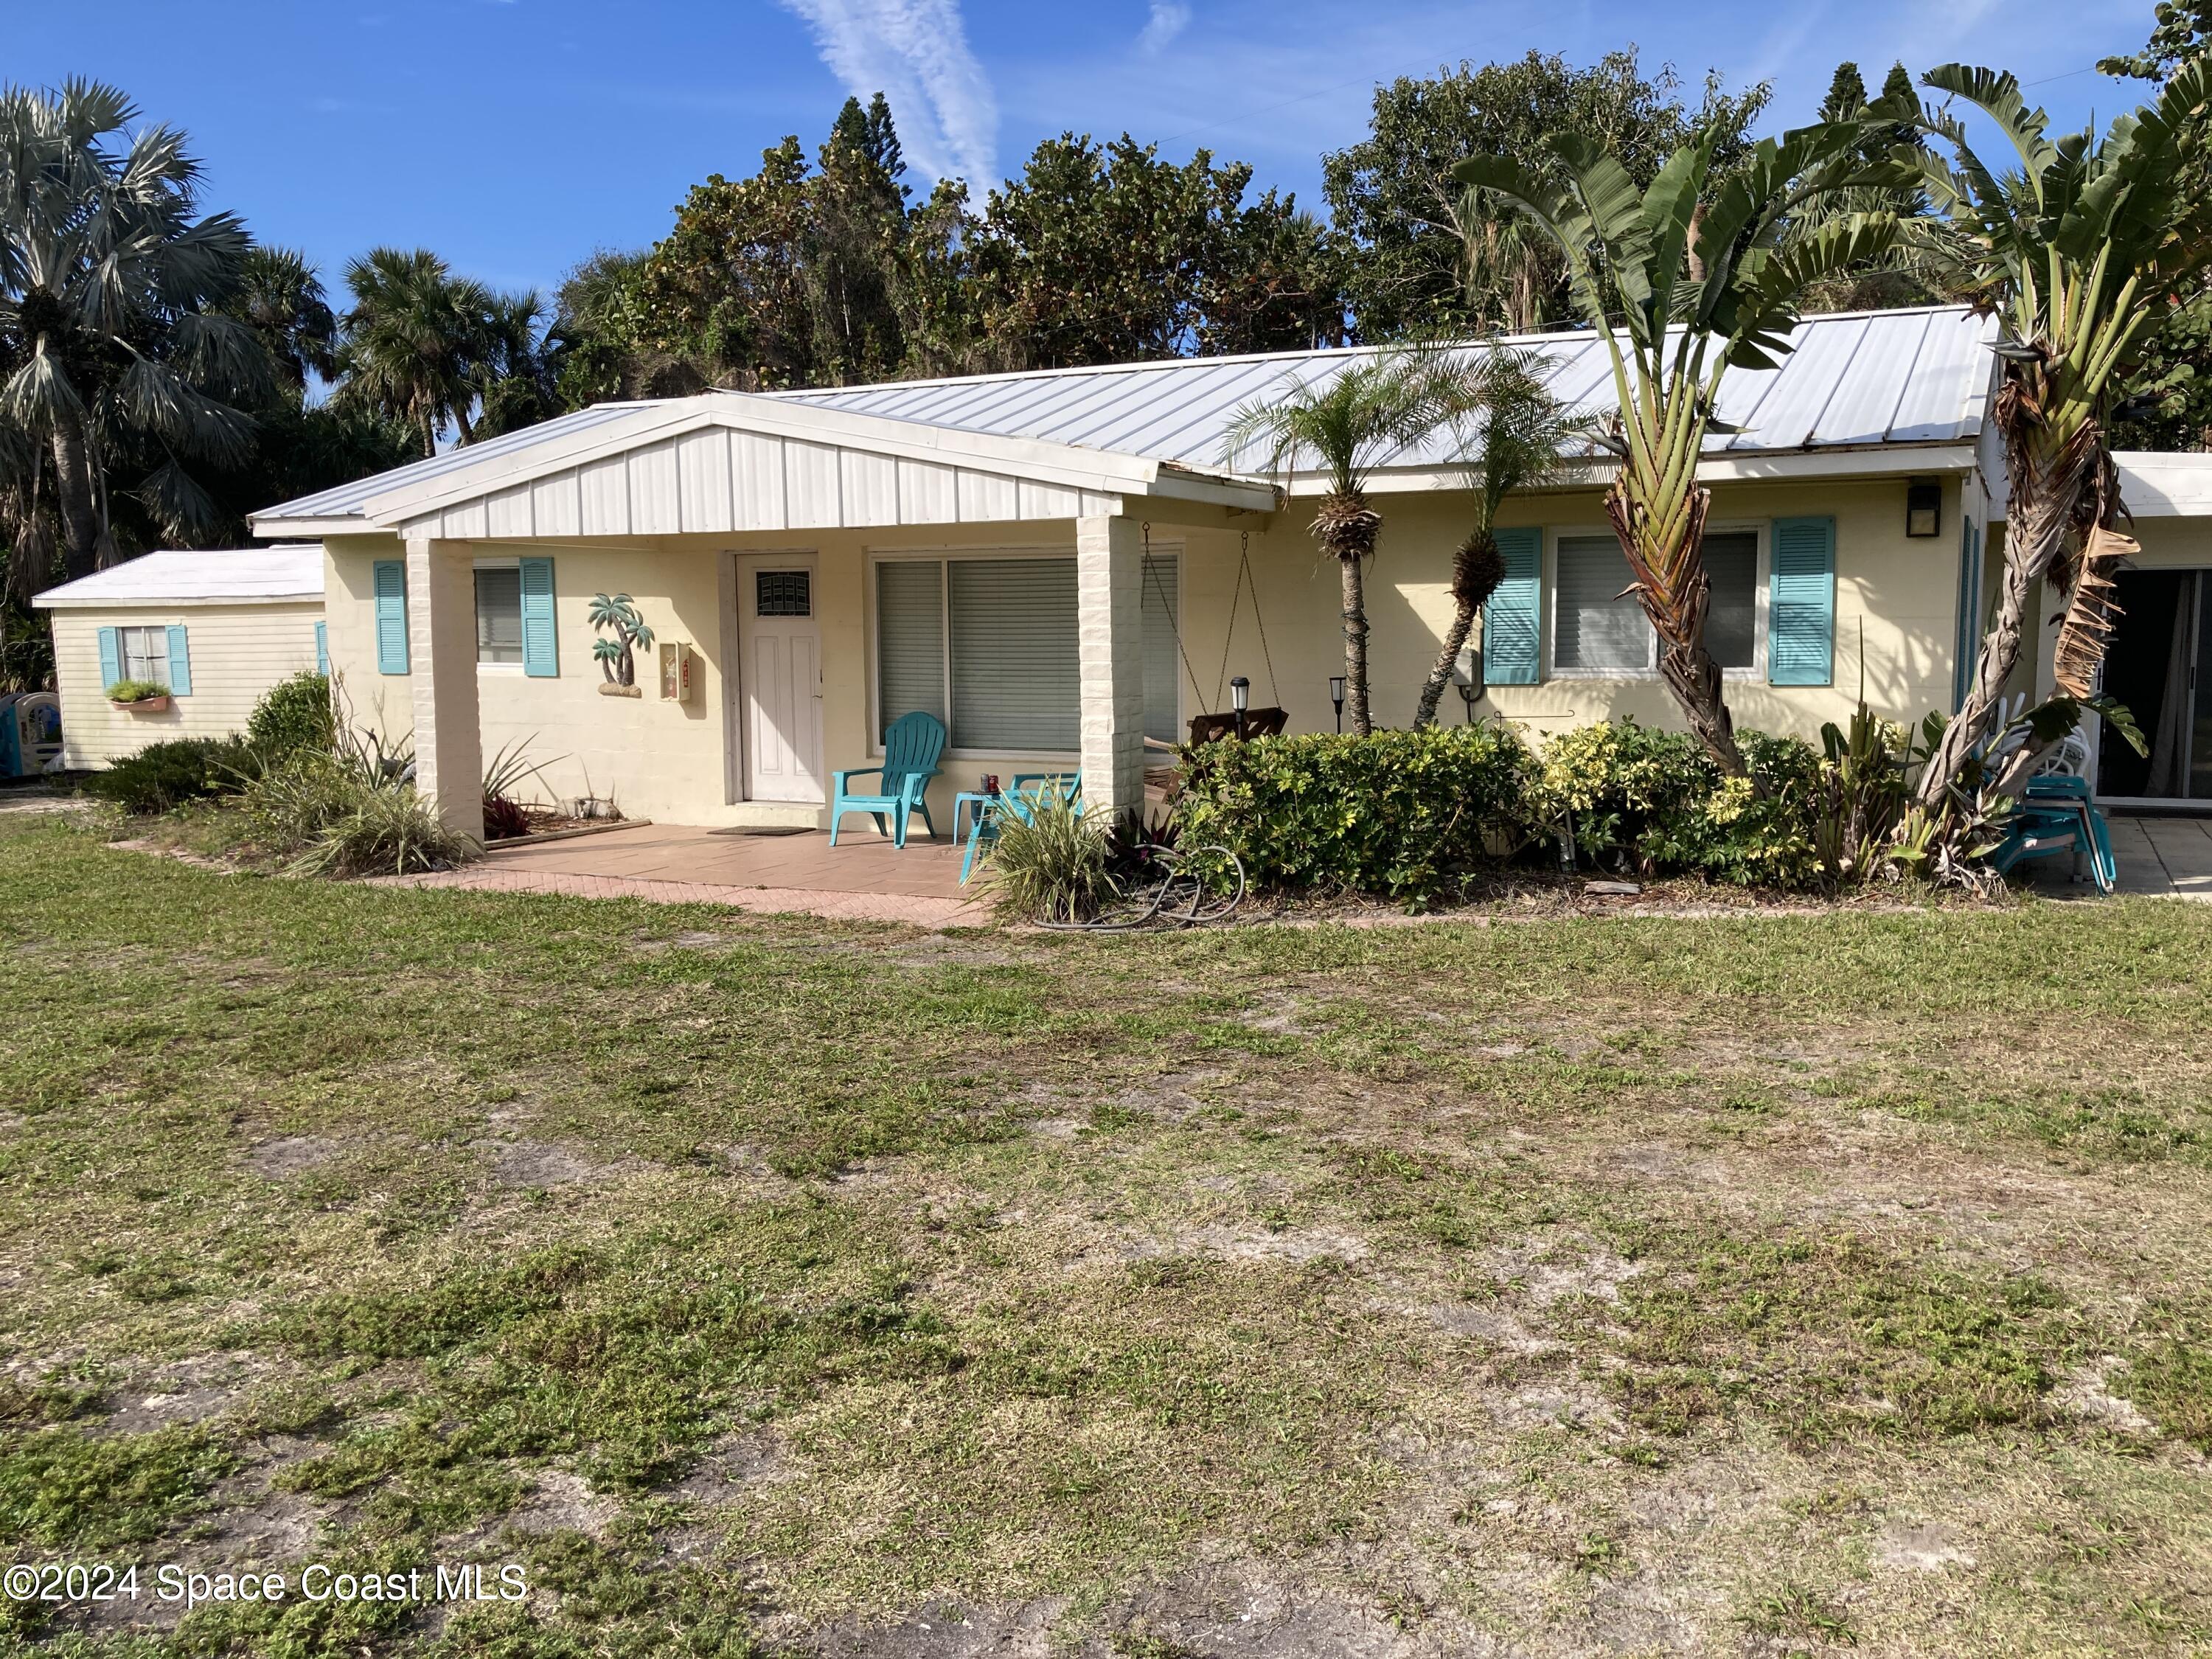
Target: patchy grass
(1760, 1283)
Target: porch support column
(1109, 647)
(441, 651)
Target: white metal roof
(2161, 485)
(1852, 380)
(1904, 382)
(246, 575)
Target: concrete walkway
(863, 878)
(2171, 857)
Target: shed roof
(1902, 381)
(245, 575)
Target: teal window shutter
(541, 647)
(390, 615)
(323, 649)
(1510, 616)
(110, 656)
(1801, 612)
(180, 662)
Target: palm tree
(1681, 283)
(2077, 252)
(1343, 425)
(280, 297)
(1518, 444)
(114, 353)
(415, 341)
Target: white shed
(218, 628)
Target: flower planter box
(144, 706)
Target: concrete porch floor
(863, 878)
(2170, 857)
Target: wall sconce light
(1336, 697)
(1923, 507)
(1468, 691)
(1240, 699)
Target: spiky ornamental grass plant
(1343, 426)
(1682, 282)
(2077, 253)
(1515, 436)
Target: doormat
(765, 830)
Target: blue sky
(515, 136)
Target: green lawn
(1755, 1285)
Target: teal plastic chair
(1031, 791)
(910, 750)
(2057, 814)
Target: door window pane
(498, 616)
(1014, 678)
(1595, 626)
(909, 639)
(1732, 618)
(783, 593)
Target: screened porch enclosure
(986, 642)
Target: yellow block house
(1065, 568)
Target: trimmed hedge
(1405, 814)
(164, 775)
(1411, 816)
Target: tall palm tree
(1519, 439)
(2077, 252)
(114, 353)
(415, 341)
(1341, 426)
(1681, 283)
(280, 297)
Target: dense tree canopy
(1423, 253)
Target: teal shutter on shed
(391, 616)
(1510, 616)
(110, 656)
(1800, 615)
(180, 662)
(323, 649)
(541, 648)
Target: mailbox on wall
(678, 672)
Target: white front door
(779, 657)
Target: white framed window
(499, 613)
(145, 653)
(1599, 631)
(986, 642)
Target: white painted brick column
(1109, 647)
(442, 660)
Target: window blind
(909, 639)
(1014, 679)
(1163, 575)
(1590, 628)
(1732, 618)
(498, 616)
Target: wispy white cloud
(1169, 18)
(915, 53)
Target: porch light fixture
(1923, 507)
(1240, 699)
(1336, 697)
(1468, 691)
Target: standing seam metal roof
(1851, 380)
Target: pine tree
(1846, 94)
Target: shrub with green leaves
(341, 815)
(1051, 864)
(1408, 814)
(162, 776)
(293, 714)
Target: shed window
(145, 653)
(1598, 628)
(499, 614)
(988, 646)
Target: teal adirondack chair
(910, 750)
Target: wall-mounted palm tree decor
(623, 634)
